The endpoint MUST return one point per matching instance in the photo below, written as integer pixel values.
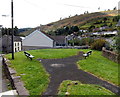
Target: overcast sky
(32, 13)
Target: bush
(75, 42)
(118, 44)
(87, 41)
(98, 44)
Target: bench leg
(30, 58)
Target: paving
(3, 79)
(4, 91)
(66, 69)
(4, 83)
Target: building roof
(37, 31)
(16, 38)
(59, 39)
(7, 39)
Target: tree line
(64, 30)
(8, 31)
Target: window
(18, 49)
(15, 50)
(15, 44)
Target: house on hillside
(105, 33)
(7, 45)
(38, 39)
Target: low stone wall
(15, 81)
(110, 55)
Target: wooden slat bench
(28, 55)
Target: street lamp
(12, 40)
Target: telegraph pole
(12, 20)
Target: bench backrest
(27, 54)
(89, 52)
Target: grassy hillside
(78, 20)
(25, 33)
(82, 21)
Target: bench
(28, 55)
(87, 54)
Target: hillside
(77, 20)
(82, 21)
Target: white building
(17, 46)
(39, 39)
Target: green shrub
(87, 41)
(98, 44)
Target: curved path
(66, 69)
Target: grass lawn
(53, 53)
(36, 78)
(32, 73)
(71, 88)
(100, 66)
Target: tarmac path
(66, 69)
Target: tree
(87, 12)
(74, 29)
(4, 31)
(105, 19)
(15, 31)
(98, 8)
(51, 33)
(91, 28)
(116, 18)
(114, 8)
(8, 31)
(110, 25)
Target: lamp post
(12, 20)
(7, 46)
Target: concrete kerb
(15, 81)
